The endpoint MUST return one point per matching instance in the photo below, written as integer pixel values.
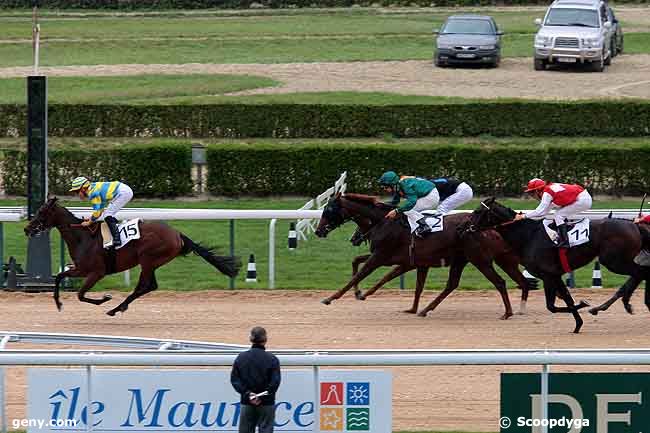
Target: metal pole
(545, 376)
(272, 253)
(2, 255)
(232, 248)
(3, 411)
(89, 398)
(316, 399)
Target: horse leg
(628, 287)
(488, 271)
(419, 288)
(89, 282)
(510, 266)
(147, 283)
(647, 294)
(355, 268)
(455, 271)
(393, 273)
(555, 286)
(57, 284)
(370, 265)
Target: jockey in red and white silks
(570, 199)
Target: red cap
(535, 184)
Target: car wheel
(439, 63)
(540, 64)
(608, 60)
(613, 47)
(598, 65)
(619, 47)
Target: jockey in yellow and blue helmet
(106, 198)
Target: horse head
(491, 213)
(364, 209)
(334, 215)
(44, 218)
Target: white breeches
(125, 194)
(582, 203)
(428, 202)
(462, 195)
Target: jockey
(107, 198)
(420, 194)
(453, 193)
(569, 198)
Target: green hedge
(152, 171)
(246, 4)
(610, 119)
(499, 170)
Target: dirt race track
(436, 398)
(627, 77)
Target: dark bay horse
(615, 242)
(391, 244)
(158, 244)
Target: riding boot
(423, 228)
(563, 232)
(112, 225)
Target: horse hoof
(326, 301)
(111, 313)
(59, 307)
(506, 316)
(593, 311)
(628, 308)
(411, 311)
(422, 314)
(108, 297)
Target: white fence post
(544, 391)
(89, 398)
(3, 410)
(272, 253)
(316, 399)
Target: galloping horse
(615, 242)
(158, 244)
(391, 244)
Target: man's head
(535, 187)
(258, 335)
(389, 181)
(80, 184)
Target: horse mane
(369, 199)
(56, 203)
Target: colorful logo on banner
(345, 406)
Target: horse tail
(225, 264)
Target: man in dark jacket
(256, 376)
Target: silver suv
(574, 31)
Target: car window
(572, 17)
(475, 27)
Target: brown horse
(158, 245)
(391, 244)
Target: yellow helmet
(78, 183)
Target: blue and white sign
(203, 400)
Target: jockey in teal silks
(420, 194)
(106, 198)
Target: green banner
(578, 403)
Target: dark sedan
(468, 39)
